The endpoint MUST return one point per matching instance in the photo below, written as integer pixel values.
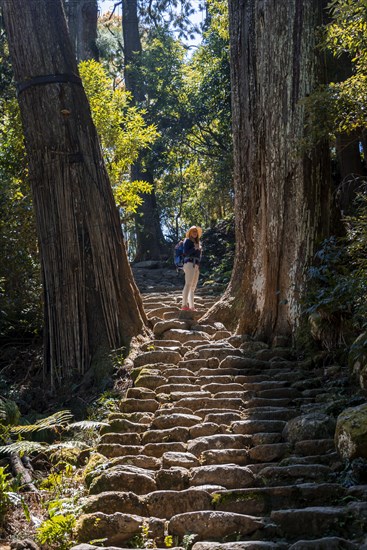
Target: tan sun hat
(199, 230)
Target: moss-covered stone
(351, 433)
(93, 466)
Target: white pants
(191, 280)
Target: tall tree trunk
(82, 18)
(281, 194)
(91, 301)
(149, 236)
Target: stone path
(221, 443)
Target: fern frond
(56, 420)
(22, 447)
(87, 425)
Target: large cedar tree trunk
(91, 301)
(149, 236)
(281, 193)
(82, 18)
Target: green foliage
(122, 130)
(188, 540)
(56, 425)
(341, 106)
(9, 412)
(20, 303)
(57, 532)
(194, 173)
(5, 489)
(331, 287)
(335, 297)
(218, 13)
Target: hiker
(191, 266)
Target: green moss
(90, 470)
(233, 496)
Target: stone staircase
(221, 443)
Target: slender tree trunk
(91, 302)
(281, 194)
(149, 236)
(82, 18)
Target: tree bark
(82, 18)
(281, 194)
(149, 236)
(91, 301)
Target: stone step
(172, 420)
(265, 438)
(216, 388)
(158, 449)
(179, 397)
(270, 402)
(314, 446)
(117, 528)
(230, 476)
(300, 473)
(279, 393)
(129, 438)
(347, 521)
(174, 388)
(206, 429)
(111, 450)
(166, 504)
(244, 545)
(261, 501)
(225, 456)
(178, 459)
(222, 417)
(269, 452)
(272, 413)
(124, 478)
(220, 441)
(150, 346)
(213, 525)
(141, 461)
(331, 459)
(121, 425)
(151, 381)
(152, 357)
(138, 405)
(256, 426)
(234, 413)
(178, 433)
(140, 393)
(196, 403)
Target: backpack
(178, 255)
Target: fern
(57, 420)
(28, 447)
(87, 425)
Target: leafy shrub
(57, 532)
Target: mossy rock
(91, 469)
(351, 433)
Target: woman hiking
(191, 266)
